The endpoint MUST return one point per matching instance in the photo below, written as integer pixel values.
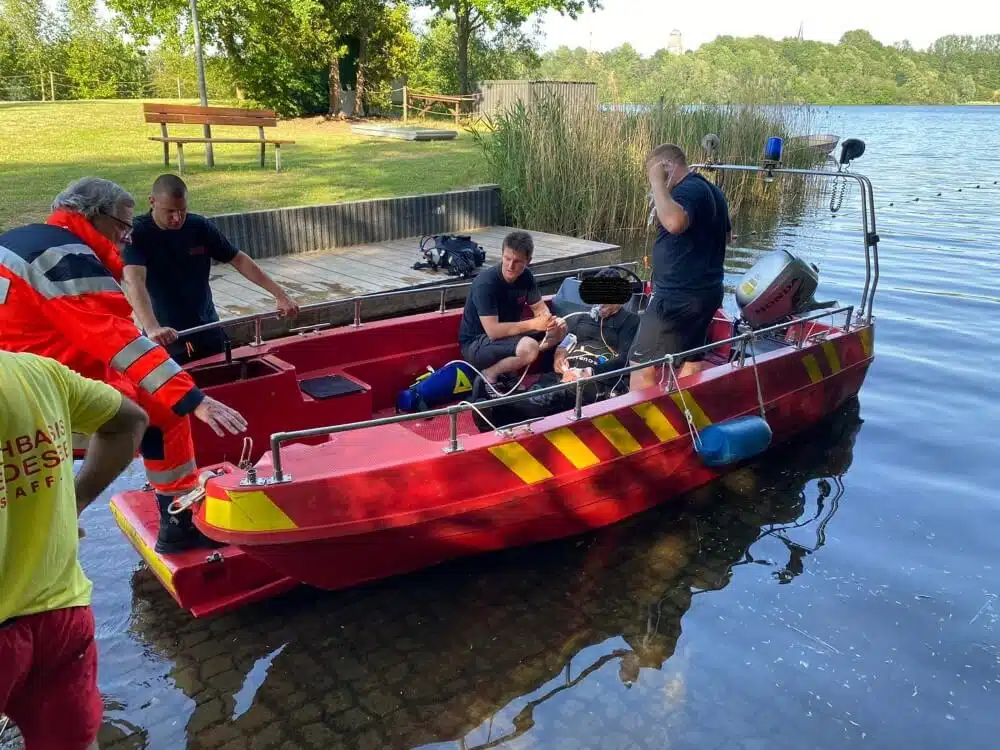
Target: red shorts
(48, 678)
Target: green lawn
(45, 146)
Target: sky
(646, 24)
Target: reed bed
(580, 172)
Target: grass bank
(580, 172)
(46, 145)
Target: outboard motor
(776, 287)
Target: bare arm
(672, 217)
(496, 330)
(252, 272)
(134, 278)
(112, 447)
(539, 322)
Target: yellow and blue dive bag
(437, 388)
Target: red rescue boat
(338, 489)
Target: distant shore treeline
(857, 70)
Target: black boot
(178, 532)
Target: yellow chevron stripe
(570, 445)
(701, 420)
(517, 459)
(656, 421)
(152, 559)
(617, 434)
(865, 336)
(812, 367)
(831, 357)
(246, 511)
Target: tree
(470, 16)
(287, 54)
(508, 53)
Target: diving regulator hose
(592, 312)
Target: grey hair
(91, 196)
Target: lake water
(841, 593)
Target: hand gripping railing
(871, 238)
(453, 411)
(258, 318)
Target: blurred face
(513, 264)
(115, 225)
(606, 311)
(168, 212)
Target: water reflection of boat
(476, 651)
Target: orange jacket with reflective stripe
(58, 300)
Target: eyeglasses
(122, 222)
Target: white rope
(756, 375)
(476, 409)
(692, 430)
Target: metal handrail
(871, 237)
(258, 318)
(277, 438)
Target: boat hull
(583, 498)
(382, 501)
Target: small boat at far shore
(335, 487)
(822, 144)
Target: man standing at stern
(167, 269)
(688, 256)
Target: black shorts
(483, 352)
(675, 324)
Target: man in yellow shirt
(48, 655)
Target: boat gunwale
(454, 410)
(540, 426)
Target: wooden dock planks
(384, 266)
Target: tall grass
(580, 172)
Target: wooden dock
(347, 272)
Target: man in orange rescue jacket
(60, 297)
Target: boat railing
(870, 238)
(741, 340)
(258, 318)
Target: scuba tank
(436, 388)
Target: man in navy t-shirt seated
(688, 258)
(167, 267)
(492, 336)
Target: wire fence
(49, 86)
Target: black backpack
(456, 252)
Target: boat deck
(385, 266)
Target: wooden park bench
(189, 114)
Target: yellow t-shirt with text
(42, 403)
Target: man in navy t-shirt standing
(688, 258)
(493, 337)
(167, 267)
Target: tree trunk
(463, 23)
(359, 90)
(334, 87)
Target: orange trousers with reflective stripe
(167, 449)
